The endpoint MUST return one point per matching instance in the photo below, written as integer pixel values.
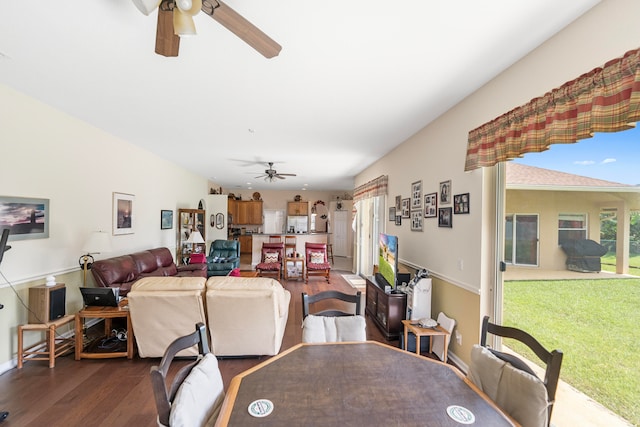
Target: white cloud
(609, 160)
(584, 162)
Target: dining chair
(275, 239)
(552, 360)
(317, 262)
(332, 323)
(271, 260)
(195, 393)
(290, 246)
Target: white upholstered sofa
(245, 316)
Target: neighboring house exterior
(544, 207)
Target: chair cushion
(198, 400)
(268, 266)
(316, 257)
(270, 257)
(485, 370)
(320, 329)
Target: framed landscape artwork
(431, 205)
(24, 217)
(123, 213)
(166, 219)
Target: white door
(340, 233)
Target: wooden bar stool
(275, 239)
(48, 349)
(290, 246)
(330, 251)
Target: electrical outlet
(458, 337)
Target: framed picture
(166, 219)
(398, 219)
(219, 220)
(123, 219)
(24, 217)
(405, 207)
(398, 203)
(416, 196)
(445, 192)
(445, 217)
(392, 213)
(431, 205)
(461, 203)
(416, 220)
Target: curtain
(375, 187)
(606, 99)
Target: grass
(595, 323)
(609, 263)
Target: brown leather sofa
(122, 271)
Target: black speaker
(403, 278)
(47, 303)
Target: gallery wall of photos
(441, 204)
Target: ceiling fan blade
(287, 174)
(242, 28)
(167, 43)
(279, 176)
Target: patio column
(622, 238)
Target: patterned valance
(606, 99)
(375, 187)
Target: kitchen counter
(289, 234)
(301, 239)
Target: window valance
(606, 99)
(375, 187)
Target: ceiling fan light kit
(183, 24)
(146, 6)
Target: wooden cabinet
(386, 310)
(189, 220)
(246, 244)
(247, 212)
(297, 208)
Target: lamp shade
(98, 242)
(146, 6)
(195, 237)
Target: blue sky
(609, 156)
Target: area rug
(354, 280)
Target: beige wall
(462, 258)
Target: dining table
(354, 384)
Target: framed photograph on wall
(398, 219)
(392, 213)
(461, 203)
(219, 220)
(25, 218)
(416, 220)
(445, 217)
(166, 219)
(406, 203)
(416, 196)
(398, 203)
(123, 211)
(431, 205)
(445, 192)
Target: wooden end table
(411, 326)
(294, 260)
(108, 314)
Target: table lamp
(98, 242)
(195, 238)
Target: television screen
(388, 258)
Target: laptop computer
(102, 297)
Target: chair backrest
(168, 397)
(225, 248)
(438, 341)
(314, 248)
(271, 248)
(551, 359)
(328, 295)
(275, 239)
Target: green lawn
(595, 323)
(609, 263)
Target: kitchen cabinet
(297, 208)
(246, 243)
(246, 212)
(188, 221)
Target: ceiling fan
(271, 174)
(175, 19)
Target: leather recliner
(224, 256)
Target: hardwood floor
(117, 392)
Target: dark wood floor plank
(117, 392)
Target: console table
(386, 309)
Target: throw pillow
(351, 328)
(317, 257)
(270, 257)
(523, 396)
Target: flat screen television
(388, 260)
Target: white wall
(47, 154)
(437, 153)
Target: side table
(411, 326)
(49, 349)
(108, 314)
(295, 261)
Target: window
(571, 227)
(521, 239)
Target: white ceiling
(353, 80)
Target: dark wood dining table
(355, 384)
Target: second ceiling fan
(271, 174)
(175, 17)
